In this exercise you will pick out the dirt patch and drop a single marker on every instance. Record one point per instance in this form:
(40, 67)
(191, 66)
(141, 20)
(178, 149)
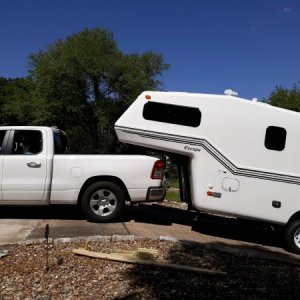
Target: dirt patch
(23, 275)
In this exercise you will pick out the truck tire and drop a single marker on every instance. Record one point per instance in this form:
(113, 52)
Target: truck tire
(292, 236)
(103, 201)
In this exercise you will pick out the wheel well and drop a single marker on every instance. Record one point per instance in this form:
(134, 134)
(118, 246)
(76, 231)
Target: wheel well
(94, 179)
(295, 216)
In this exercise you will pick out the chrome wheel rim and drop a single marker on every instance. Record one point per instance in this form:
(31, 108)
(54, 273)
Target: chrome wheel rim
(297, 238)
(103, 202)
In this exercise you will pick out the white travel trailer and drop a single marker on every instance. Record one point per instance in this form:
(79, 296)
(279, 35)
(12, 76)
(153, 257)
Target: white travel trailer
(238, 157)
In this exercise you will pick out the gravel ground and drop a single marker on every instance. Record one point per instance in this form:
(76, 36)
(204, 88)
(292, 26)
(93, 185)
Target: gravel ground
(23, 274)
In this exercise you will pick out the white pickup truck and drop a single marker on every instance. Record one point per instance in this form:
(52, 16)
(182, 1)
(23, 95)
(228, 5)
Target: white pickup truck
(37, 169)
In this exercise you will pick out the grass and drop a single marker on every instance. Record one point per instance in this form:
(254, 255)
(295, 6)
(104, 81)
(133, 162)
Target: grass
(173, 196)
(174, 184)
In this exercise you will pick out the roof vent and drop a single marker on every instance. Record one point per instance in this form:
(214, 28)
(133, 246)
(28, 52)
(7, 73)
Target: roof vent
(230, 92)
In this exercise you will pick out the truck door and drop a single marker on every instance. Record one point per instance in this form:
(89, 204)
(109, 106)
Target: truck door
(24, 167)
(2, 142)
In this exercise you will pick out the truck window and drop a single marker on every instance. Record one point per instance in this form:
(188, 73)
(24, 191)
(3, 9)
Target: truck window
(170, 113)
(61, 145)
(275, 138)
(2, 135)
(27, 142)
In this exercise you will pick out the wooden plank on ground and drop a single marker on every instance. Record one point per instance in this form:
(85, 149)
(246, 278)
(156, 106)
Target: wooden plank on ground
(132, 260)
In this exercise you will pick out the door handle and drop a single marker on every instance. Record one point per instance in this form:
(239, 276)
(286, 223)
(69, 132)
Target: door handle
(33, 164)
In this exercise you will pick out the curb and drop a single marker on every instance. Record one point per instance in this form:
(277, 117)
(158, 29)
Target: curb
(95, 238)
(91, 238)
(255, 253)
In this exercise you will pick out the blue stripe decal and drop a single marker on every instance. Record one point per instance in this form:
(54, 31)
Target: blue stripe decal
(213, 152)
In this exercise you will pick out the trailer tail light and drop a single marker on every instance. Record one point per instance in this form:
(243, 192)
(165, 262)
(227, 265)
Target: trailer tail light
(148, 97)
(158, 170)
(214, 194)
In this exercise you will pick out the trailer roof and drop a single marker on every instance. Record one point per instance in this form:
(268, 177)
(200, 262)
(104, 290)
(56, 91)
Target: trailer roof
(218, 97)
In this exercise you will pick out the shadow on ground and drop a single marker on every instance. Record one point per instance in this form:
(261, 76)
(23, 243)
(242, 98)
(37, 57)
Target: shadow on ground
(58, 212)
(207, 224)
(246, 278)
(230, 228)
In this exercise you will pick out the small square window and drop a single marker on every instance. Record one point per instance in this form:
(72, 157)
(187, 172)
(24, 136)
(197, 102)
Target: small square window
(275, 138)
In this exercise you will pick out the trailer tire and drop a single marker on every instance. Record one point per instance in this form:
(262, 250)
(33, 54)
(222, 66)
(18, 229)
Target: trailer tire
(292, 236)
(103, 201)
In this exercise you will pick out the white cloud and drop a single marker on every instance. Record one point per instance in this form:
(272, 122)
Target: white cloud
(287, 10)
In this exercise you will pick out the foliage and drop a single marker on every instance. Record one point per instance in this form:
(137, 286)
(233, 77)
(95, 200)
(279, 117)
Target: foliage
(170, 173)
(16, 101)
(84, 83)
(285, 98)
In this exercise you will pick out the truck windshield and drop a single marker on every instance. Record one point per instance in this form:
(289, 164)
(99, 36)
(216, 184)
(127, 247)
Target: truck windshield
(61, 145)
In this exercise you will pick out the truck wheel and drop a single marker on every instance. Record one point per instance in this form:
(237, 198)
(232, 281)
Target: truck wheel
(292, 236)
(103, 201)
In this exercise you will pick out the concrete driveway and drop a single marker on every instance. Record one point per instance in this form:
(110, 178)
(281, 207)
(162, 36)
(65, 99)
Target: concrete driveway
(151, 221)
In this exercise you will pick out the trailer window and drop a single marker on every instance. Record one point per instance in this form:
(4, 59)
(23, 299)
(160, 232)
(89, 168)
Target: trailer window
(174, 114)
(275, 138)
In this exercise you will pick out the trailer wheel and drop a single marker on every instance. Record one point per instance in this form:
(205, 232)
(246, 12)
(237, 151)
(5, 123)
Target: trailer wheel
(292, 236)
(103, 201)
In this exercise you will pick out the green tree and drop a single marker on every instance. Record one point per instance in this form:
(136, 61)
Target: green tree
(85, 82)
(286, 98)
(16, 101)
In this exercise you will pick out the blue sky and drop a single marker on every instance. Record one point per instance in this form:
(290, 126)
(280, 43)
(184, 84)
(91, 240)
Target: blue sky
(249, 46)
